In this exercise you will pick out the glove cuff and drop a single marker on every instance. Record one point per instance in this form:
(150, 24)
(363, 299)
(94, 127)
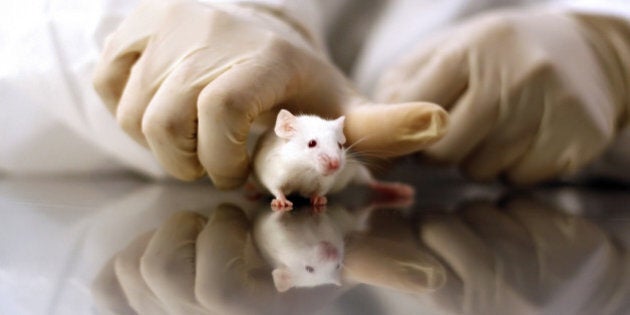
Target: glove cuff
(310, 32)
(609, 37)
(302, 17)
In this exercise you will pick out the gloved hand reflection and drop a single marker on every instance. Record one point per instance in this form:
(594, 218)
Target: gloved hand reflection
(194, 265)
(524, 257)
(191, 265)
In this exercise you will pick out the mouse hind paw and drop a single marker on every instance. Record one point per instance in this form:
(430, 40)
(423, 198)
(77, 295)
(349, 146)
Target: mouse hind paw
(318, 201)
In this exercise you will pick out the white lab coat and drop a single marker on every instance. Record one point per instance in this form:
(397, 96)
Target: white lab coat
(51, 120)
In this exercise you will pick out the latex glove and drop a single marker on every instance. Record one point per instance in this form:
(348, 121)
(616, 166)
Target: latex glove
(189, 79)
(531, 94)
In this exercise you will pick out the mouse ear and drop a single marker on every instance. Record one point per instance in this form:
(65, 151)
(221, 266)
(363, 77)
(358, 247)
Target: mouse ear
(285, 124)
(282, 279)
(340, 123)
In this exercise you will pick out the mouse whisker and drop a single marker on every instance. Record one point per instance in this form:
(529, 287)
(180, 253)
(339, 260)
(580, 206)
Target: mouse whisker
(357, 142)
(373, 163)
(367, 154)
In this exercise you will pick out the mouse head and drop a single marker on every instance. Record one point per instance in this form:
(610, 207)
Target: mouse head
(304, 248)
(313, 266)
(314, 140)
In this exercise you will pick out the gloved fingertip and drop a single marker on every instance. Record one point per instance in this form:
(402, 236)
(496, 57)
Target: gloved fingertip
(436, 278)
(431, 123)
(396, 129)
(188, 175)
(227, 182)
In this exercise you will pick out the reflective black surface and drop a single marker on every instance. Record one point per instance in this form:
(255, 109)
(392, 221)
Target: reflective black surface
(123, 245)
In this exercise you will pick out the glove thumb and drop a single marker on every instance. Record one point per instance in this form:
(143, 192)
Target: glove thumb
(390, 130)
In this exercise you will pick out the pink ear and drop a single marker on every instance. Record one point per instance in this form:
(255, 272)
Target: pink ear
(285, 124)
(340, 123)
(282, 279)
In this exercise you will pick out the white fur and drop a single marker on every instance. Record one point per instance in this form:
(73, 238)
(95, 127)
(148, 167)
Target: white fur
(285, 166)
(289, 241)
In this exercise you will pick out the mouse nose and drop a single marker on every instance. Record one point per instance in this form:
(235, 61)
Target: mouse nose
(333, 164)
(330, 164)
(328, 251)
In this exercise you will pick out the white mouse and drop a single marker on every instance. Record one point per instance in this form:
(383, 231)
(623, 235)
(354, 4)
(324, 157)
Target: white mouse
(305, 154)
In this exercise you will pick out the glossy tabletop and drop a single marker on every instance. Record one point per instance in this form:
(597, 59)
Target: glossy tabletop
(119, 244)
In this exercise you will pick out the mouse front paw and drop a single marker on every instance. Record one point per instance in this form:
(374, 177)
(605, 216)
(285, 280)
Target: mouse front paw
(281, 204)
(319, 201)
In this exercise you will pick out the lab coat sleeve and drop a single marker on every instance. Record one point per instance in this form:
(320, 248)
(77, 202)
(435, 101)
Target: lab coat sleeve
(311, 16)
(619, 8)
(51, 119)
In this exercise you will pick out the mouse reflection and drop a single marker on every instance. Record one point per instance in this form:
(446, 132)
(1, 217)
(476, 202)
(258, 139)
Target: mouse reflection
(518, 256)
(304, 247)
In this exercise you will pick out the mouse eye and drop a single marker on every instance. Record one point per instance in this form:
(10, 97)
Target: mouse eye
(340, 146)
(310, 269)
(338, 266)
(312, 143)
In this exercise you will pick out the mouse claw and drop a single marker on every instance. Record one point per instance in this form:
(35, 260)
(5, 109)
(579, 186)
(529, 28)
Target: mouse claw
(319, 201)
(281, 205)
(319, 209)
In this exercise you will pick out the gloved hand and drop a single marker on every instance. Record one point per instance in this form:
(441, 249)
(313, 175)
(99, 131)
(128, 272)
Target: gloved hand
(531, 94)
(189, 79)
